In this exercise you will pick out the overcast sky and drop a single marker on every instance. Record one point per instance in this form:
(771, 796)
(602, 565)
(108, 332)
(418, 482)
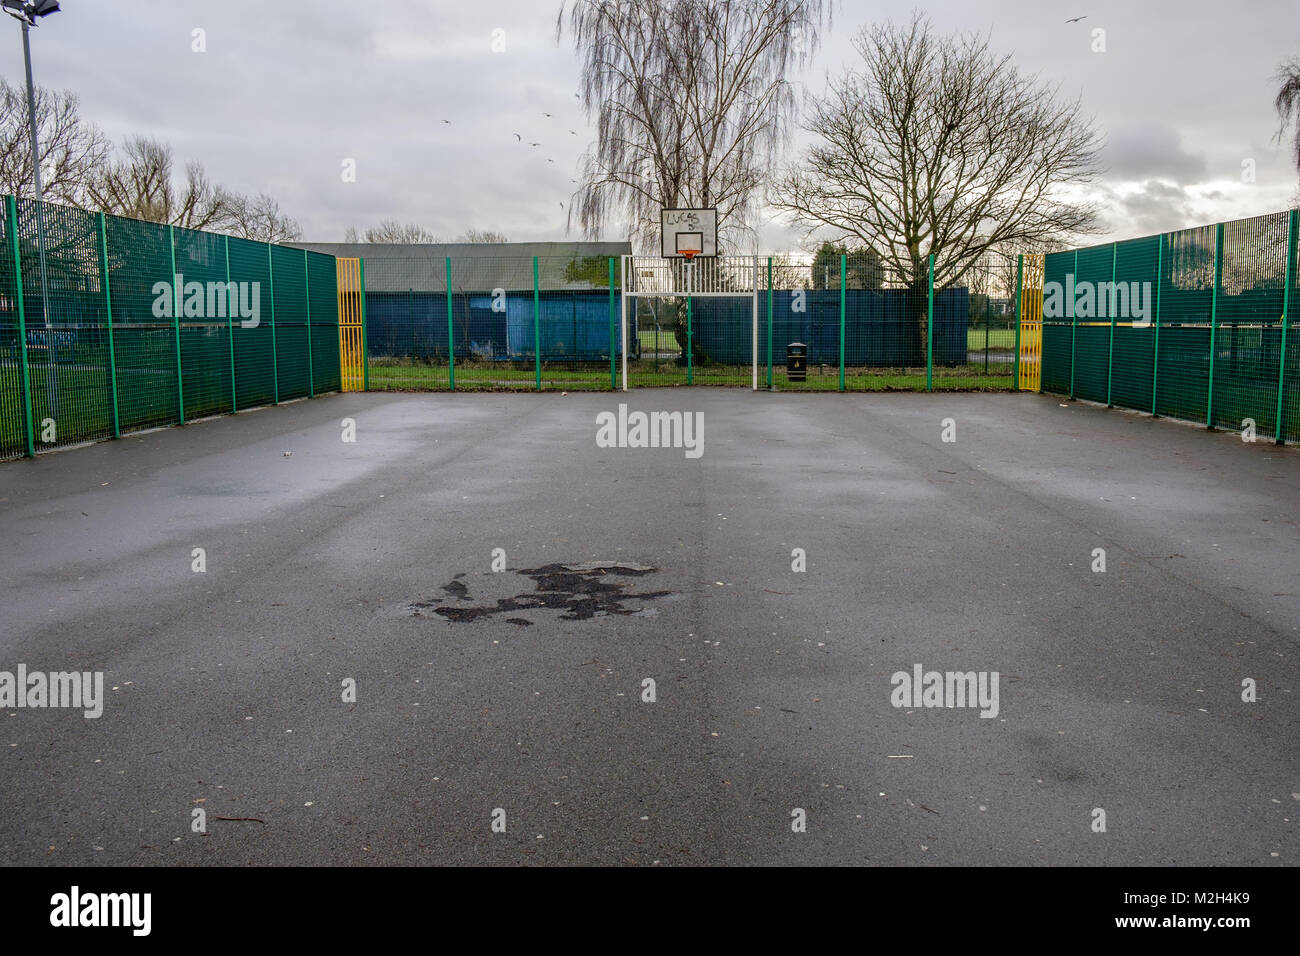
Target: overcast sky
(288, 89)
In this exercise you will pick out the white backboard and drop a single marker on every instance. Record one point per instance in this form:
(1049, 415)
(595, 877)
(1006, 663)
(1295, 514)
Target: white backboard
(689, 229)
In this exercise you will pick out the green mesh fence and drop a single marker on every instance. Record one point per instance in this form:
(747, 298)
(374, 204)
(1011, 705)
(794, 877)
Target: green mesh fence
(492, 323)
(14, 386)
(255, 382)
(476, 322)
(323, 302)
(866, 328)
(109, 325)
(1187, 324)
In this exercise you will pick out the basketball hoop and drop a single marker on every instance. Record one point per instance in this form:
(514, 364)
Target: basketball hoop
(689, 253)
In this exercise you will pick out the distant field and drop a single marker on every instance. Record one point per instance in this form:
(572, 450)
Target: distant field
(1004, 339)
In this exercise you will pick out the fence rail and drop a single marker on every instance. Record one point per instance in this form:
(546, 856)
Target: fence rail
(1197, 324)
(109, 325)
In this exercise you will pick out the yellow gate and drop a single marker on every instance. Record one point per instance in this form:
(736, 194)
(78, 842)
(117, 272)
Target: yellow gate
(1031, 325)
(352, 326)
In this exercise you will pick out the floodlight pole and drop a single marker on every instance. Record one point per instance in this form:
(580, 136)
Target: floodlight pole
(31, 105)
(51, 382)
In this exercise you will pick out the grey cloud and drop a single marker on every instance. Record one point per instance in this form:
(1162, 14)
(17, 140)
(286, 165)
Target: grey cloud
(1150, 150)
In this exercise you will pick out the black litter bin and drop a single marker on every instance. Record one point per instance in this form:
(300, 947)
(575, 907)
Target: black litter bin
(796, 362)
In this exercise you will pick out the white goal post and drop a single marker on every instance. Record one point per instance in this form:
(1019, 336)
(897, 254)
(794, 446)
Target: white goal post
(711, 278)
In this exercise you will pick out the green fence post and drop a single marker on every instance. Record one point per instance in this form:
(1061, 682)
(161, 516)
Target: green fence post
(275, 357)
(1214, 321)
(11, 205)
(929, 331)
(1020, 291)
(365, 346)
(1155, 358)
(306, 286)
(230, 328)
(1074, 320)
(451, 337)
(690, 343)
(844, 266)
(769, 323)
(1110, 304)
(537, 326)
(1293, 235)
(613, 376)
(108, 313)
(176, 325)
(988, 318)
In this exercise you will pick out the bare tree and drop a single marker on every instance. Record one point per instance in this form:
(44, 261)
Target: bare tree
(260, 219)
(392, 231)
(938, 146)
(483, 236)
(1287, 104)
(140, 185)
(691, 104)
(72, 149)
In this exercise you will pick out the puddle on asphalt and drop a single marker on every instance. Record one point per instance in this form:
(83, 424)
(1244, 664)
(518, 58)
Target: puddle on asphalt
(579, 591)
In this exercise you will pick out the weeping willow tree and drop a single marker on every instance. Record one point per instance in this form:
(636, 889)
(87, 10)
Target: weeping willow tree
(691, 104)
(1287, 104)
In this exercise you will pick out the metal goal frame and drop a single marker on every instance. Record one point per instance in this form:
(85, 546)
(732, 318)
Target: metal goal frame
(709, 278)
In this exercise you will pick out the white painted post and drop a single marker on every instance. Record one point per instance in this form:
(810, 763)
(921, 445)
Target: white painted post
(623, 319)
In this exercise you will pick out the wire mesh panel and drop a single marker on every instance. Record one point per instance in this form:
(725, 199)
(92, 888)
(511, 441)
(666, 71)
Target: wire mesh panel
(493, 324)
(205, 304)
(144, 342)
(1058, 323)
(1093, 267)
(13, 389)
(805, 320)
(577, 327)
(1186, 301)
(322, 298)
(1133, 366)
(255, 373)
(289, 285)
(67, 329)
(1252, 285)
(974, 325)
(406, 312)
(1289, 374)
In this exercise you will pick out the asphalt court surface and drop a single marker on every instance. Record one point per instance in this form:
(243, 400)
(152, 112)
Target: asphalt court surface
(522, 690)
